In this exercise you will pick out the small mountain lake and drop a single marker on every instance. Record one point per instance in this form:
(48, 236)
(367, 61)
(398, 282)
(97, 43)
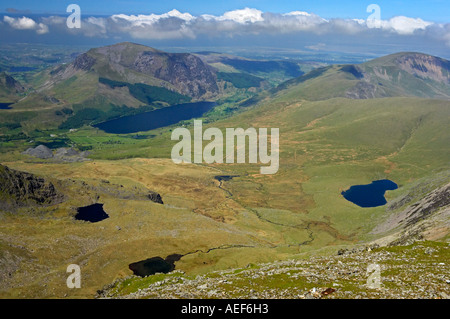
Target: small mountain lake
(5, 106)
(92, 213)
(21, 69)
(155, 119)
(154, 265)
(370, 195)
(225, 177)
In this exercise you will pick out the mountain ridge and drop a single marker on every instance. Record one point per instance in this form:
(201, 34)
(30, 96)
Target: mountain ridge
(10, 88)
(401, 74)
(127, 62)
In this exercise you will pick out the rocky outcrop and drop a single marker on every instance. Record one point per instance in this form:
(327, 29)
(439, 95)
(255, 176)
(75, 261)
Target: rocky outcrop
(188, 73)
(10, 83)
(107, 188)
(362, 90)
(184, 72)
(426, 218)
(21, 189)
(69, 154)
(425, 66)
(10, 88)
(63, 154)
(84, 62)
(403, 272)
(155, 197)
(435, 200)
(132, 63)
(406, 74)
(40, 151)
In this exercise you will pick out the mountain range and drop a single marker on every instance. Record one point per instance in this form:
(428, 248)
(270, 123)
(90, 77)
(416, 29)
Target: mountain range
(135, 75)
(400, 74)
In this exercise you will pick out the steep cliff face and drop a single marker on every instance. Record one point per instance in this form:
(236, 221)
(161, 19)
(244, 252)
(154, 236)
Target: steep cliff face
(425, 66)
(425, 218)
(9, 87)
(21, 189)
(403, 74)
(188, 73)
(83, 62)
(10, 83)
(132, 63)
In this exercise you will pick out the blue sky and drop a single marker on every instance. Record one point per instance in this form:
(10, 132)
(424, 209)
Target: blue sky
(431, 10)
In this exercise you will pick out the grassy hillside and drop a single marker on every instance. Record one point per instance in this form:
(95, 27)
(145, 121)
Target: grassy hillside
(327, 143)
(240, 80)
(148, 94)
(320, 277)
(272, 71)
(319, 84)
(401, 74)
(326, 146)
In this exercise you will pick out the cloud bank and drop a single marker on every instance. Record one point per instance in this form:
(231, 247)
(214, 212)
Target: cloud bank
(175, 25)
(25, 23)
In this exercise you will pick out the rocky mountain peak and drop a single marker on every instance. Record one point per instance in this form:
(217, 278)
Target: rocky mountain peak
(10, 84)
(186, 72)
(20, 188)
(425, 66)
(83, 62)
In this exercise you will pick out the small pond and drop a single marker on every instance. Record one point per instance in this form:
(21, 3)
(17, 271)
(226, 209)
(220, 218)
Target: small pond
(370, 195)
(92, 213)
(225, 177)
(154, 265)
(5, 106)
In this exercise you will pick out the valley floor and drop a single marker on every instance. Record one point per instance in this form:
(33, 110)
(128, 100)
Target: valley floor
(325, 147)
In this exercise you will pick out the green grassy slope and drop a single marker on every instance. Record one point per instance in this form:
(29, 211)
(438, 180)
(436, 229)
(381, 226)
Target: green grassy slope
(329, 277)
(326, 146)
(327, 143)
(401, 74)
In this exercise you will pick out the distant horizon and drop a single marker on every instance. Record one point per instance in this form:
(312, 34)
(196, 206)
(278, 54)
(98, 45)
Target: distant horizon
(342, 57)
(370, 29)
(431, 10)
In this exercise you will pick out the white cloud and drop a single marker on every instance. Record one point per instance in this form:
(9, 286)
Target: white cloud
(297, 13)
(41, 28)
(404, 25)
(400, 24)
(23, 23)
(142, 20)
(26, 23)
(170, 25)
(242, 22)
(249, 21)
(54, 20)
(242, 16)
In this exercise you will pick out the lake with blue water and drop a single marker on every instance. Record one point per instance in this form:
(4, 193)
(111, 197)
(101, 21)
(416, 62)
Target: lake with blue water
(5, 106)
(370, 195)
(155, 119)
